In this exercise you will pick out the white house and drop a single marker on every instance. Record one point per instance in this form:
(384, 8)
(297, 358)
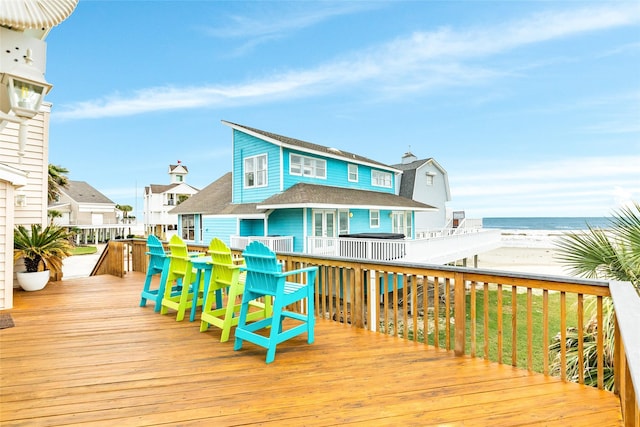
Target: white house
(24, 148)
(425, 181)
(159, 199)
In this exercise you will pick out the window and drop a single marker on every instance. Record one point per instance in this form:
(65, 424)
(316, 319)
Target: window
(380, 179)
(374, 219)
(307, 166)
(188, 227)
(353, 172)
(255, 171)
(429, 178)
(402, 223)
(179, 178)
(343, 222)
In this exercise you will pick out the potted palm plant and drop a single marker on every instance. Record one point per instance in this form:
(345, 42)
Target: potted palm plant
(42, 249)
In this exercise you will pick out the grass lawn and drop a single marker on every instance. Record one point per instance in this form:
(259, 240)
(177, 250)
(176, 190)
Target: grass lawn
(84, 250)
(540, 348)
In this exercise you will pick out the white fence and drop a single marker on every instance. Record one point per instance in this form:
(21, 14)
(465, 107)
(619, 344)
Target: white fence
(275, 243)
(442, 248)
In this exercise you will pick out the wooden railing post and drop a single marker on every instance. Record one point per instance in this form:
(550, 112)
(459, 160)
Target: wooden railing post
(459, 310)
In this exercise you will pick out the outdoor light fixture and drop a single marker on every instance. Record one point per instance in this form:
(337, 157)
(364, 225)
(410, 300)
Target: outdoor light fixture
(20, 199)
(22, 89)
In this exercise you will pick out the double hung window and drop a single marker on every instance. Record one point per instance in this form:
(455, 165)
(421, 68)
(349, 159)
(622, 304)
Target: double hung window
(255, 171)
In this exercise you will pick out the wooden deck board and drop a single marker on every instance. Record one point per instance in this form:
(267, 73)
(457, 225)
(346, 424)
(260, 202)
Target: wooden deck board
(83, 353)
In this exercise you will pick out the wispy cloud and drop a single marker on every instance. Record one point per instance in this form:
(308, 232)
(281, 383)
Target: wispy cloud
(418, 62)
(551, 188)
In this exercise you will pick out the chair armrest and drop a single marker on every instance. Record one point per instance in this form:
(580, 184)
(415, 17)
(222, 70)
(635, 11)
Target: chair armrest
(298, 271)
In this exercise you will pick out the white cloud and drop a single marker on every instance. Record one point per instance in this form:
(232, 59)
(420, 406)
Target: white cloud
(420, 61)
(574, 187)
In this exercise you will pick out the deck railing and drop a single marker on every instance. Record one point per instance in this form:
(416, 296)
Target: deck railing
(275, 243)
(438, 248)
(510, 318)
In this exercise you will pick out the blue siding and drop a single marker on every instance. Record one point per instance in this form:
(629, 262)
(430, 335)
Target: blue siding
(248, 146)
(337, 174)
(221, 228)
(288, 222)
(252, 227)
(359, 223)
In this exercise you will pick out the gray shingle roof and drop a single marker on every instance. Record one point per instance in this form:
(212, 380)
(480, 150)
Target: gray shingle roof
(82, 192)
(309, 146)
(215, 199)
(310, 195)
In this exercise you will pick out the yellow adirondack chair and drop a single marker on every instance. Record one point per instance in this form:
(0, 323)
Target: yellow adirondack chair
(180, 272)
(227, 275)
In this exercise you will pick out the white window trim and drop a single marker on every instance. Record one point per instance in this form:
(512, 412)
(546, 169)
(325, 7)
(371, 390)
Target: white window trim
(349, 172)
(381, 174)
(371, 218)
(255, 164)
(314, 162)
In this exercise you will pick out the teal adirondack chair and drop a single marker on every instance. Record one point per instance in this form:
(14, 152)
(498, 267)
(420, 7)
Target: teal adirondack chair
(266, 279)
(226, 275)
(158, 264)
(180, 274)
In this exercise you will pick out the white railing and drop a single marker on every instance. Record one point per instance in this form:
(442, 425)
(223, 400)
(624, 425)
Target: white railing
(444, 248)
(275, 243)
(354, 248)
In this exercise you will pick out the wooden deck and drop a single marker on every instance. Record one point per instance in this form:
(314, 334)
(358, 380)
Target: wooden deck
(83, 353)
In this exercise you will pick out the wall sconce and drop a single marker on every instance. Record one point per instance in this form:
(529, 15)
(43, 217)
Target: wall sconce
(350, 214)
(22, 90)
(20, 199)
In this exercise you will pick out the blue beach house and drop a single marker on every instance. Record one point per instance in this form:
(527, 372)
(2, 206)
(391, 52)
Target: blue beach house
(297, 196)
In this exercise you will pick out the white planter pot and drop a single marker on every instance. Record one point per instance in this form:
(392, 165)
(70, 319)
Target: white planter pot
(33, 281)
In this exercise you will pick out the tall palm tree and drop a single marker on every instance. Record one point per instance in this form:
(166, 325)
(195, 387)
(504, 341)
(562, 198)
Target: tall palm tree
(57, 180)
(612, 254)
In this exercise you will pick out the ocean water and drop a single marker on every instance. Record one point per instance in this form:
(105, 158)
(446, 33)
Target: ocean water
(546, 223)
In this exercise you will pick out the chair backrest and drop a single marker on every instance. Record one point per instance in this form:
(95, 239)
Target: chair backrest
(179, 255)
(263, 270)
(222, 260)
(155, 246)
(157, 255)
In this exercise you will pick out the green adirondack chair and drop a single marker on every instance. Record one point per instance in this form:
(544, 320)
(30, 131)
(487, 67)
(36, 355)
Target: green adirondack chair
(180, 272)
(227, 275)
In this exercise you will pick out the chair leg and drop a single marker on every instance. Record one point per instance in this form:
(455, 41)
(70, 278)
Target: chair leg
(162, 286)
(145, 289)
(276, 329)
(232, 296)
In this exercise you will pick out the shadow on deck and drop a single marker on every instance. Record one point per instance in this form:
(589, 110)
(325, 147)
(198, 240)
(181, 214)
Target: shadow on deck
(83, 352)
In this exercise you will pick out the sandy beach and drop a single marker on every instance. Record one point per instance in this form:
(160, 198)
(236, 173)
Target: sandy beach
(530, 251)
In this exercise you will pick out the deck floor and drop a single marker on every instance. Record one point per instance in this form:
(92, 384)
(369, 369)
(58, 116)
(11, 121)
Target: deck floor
(83, 352)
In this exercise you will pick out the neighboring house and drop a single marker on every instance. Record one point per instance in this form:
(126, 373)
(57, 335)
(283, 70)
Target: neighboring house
(23, 161)
(92, 214)
(427, 182)
(282, 187)
(160, 199)
(81, 204)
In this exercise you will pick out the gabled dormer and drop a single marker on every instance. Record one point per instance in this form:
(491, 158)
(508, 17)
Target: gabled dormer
(178, 173)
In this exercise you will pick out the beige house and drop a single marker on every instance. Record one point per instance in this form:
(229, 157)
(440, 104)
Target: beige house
(87, 210)
(24, 142)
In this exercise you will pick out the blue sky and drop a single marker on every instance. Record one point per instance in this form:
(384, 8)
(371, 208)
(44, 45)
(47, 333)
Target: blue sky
(533, 108)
